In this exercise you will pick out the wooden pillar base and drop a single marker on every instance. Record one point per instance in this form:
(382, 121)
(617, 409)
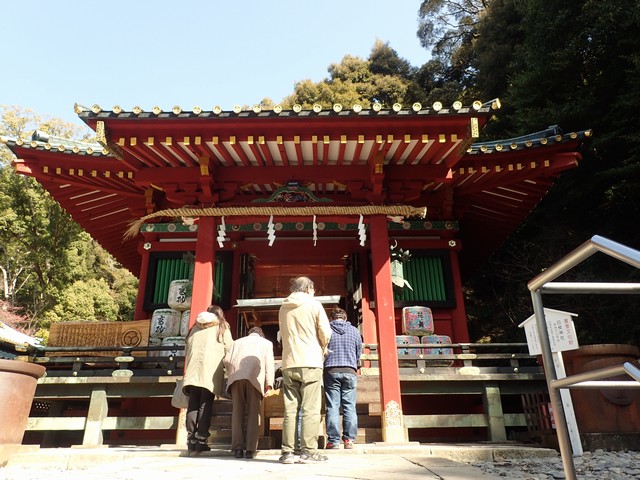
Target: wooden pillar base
(393, 430)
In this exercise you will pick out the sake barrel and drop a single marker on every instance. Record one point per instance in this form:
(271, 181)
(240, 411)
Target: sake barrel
(406, 340)
(417, 321)
(154, 342)
(178, 342)
(179, 297)
(433, 351)
(184, 323)
(165, 322)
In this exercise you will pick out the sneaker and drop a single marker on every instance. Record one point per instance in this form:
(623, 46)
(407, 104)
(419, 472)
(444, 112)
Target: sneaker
(202, 447)
(348, 444)
(287, 458)
(315, 458)
(330, 446)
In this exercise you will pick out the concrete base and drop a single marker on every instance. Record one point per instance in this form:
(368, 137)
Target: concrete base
(7, 450)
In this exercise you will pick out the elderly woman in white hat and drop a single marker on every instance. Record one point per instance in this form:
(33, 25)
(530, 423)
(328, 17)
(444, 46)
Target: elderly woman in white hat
(206, 345)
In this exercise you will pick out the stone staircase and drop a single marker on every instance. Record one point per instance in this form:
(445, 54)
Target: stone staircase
(368, 408)
(220, 429)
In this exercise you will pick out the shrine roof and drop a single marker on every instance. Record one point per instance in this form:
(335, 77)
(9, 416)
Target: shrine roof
(145, 161)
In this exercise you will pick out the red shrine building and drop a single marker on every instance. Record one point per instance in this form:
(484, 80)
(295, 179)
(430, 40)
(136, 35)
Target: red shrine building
(241, 201)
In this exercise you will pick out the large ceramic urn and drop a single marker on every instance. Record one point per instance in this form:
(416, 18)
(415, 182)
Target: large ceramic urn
(18, 382)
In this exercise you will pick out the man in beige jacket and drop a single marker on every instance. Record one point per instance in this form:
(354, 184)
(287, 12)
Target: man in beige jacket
(250, 370)
(305, 333)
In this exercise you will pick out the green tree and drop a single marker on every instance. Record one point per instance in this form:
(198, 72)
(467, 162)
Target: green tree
(384, 77)
(84, 300)
(45, 257)
(578, 68)
(447, 27)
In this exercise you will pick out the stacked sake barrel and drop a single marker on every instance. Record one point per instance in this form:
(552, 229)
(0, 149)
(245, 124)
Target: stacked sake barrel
(418, 327)
(169, 326)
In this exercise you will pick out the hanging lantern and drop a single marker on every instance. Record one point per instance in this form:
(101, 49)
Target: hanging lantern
(398, 258)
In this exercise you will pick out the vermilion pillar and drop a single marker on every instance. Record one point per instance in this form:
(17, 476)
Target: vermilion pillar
(140, 314)
(202, 291)
(369, 333)
(459, 316)
(392, 423)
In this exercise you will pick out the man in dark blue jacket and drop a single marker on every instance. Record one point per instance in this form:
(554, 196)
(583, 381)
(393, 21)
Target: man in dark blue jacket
(340, 380)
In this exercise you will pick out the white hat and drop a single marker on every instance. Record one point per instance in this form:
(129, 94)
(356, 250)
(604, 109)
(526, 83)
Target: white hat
(206, 317)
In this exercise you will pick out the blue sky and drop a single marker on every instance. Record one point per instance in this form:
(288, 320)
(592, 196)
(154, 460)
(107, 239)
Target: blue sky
(186, 52)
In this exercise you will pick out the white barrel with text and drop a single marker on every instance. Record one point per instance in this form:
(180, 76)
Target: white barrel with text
(178, 342)
(184, 323)
(165, 322)
(179, 297)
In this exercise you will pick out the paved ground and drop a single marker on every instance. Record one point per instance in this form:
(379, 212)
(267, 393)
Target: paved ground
(371, 461)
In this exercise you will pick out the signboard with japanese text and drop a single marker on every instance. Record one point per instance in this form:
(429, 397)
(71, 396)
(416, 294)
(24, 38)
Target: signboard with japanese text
(561, 329)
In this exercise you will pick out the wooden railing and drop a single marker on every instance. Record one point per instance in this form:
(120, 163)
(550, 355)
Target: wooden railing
(109, 361)
(93, 380)
(96, 376)
(491, 371)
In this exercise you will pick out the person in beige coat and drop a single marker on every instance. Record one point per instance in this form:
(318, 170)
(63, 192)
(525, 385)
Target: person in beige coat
(206, 345)
(250, 368)
(305, 333)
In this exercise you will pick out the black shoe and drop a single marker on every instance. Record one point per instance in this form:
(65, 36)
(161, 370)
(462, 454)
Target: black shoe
(250, 454)
(202, 447)
(191, 446)
(238, 453)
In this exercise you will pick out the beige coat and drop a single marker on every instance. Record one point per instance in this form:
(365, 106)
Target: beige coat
(304, 330)
(251, 358)
(203, 358)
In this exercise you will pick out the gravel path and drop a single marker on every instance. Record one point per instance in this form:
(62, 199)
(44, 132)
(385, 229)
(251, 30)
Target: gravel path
(597, 465)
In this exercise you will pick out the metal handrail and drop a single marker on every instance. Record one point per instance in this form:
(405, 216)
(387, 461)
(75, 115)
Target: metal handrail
(542, 284)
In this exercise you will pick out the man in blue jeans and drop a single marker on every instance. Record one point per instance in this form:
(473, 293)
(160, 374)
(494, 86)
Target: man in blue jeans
(341, 380)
